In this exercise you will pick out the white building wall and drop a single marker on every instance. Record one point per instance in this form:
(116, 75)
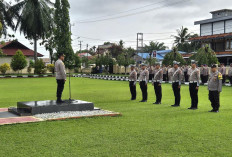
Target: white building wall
(206, 29)
(228, 26)
(8, 60)
(218, 27)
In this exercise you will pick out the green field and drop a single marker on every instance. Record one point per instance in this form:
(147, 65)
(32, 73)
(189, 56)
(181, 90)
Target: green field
(143, 129)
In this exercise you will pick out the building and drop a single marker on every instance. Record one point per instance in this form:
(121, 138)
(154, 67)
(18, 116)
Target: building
(10, 48)
(85, 54)
(217, 33)
(104, 49)
(159, 55)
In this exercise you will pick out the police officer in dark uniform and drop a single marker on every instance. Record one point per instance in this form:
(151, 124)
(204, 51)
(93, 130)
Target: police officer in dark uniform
(215, 88)
(176, 82)
(143, 81)
(157, 80)
(132, 80)
(194, 82)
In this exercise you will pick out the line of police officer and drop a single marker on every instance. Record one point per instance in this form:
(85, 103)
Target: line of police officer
(214, 84)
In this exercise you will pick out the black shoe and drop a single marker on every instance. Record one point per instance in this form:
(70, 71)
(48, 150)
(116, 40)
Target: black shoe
(193, 108)
(59, 101)
(133, 99)
(143, 101)
(175, 105)
(212, 111)
(157, 103)
(216, 111)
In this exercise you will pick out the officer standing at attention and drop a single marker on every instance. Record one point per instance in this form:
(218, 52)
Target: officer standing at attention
(194, 82)
(176, 82)
(164, 72)
(143, 80)
(60, 76)
(157, 80)
(132, 80)
(215, 87)
(230, 73)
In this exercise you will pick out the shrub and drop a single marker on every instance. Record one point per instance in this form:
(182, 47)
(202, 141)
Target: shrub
(31, 65)
(51, 68)
(18, 61)
(40, 67)
(4, 67)
(174, 55)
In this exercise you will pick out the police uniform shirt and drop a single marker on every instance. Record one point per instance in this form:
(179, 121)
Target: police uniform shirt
(60, 70)
(215, 82)
(158, 75)
(144, 76)
(201, 70)
(133, 76)
(164, 70)
(176, 77)
(230, 71)
(194, 75)
(205, 71)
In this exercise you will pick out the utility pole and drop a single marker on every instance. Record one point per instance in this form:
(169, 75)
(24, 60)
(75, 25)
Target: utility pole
(139, 42)
(87, 47)
(80, 44)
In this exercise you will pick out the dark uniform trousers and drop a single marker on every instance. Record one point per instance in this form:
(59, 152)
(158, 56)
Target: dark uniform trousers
(60, 88)
(230, 78)
(214, 98)
(158, 91)
(151, 76)
(143, 87)
(193, 94)
(133, 90)
(202, 78)
(176, 90)
(165, 77)
(224, 79)
(186, 76)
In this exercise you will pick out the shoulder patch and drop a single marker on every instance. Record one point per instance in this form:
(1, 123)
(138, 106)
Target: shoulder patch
(220, 76)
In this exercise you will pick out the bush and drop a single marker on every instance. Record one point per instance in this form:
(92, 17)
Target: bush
(51, 68)
(170, 57)
(18, 61)
(4, 67)
(31, 65)
(205, 55)
(40, 67)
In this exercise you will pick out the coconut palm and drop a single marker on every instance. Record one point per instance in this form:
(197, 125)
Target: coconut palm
(154, 46)
(33, 19)
(182, 36)
(5, 18)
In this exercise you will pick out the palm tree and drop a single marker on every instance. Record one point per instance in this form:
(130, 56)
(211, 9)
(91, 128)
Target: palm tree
(33, 19)
(182, 36)
(154, 46)
(5, 18)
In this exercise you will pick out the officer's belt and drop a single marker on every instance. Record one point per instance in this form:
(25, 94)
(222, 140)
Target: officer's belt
(156, 80)
(175, 81)
(192, 81)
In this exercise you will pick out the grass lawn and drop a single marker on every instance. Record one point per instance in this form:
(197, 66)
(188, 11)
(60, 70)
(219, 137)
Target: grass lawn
(143, 130)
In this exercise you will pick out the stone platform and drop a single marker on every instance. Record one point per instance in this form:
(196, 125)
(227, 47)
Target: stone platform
(50, 106)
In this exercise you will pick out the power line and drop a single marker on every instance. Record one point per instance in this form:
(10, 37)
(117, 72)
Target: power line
(123, 11)
(91, 21)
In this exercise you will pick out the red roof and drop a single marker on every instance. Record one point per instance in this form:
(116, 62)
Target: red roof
(208, 37)
(10, 48)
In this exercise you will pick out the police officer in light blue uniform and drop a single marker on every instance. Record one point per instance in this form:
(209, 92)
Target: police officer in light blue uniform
(194, 82)
(176, 82)
(215, 88)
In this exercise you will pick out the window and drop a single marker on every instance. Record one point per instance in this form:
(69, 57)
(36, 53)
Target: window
(229, 44)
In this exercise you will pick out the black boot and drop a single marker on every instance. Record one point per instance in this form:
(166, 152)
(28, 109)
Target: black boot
(59, 101)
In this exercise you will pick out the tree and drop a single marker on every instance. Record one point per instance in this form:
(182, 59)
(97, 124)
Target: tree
(77, 63)
(182, 36)
(33, 19)
(40, 67)
(205, 55)
(5, 18)
(62, 34)
(125, 60)
(154, 46)
(173, 55)
(4, 67)
(18, 61)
